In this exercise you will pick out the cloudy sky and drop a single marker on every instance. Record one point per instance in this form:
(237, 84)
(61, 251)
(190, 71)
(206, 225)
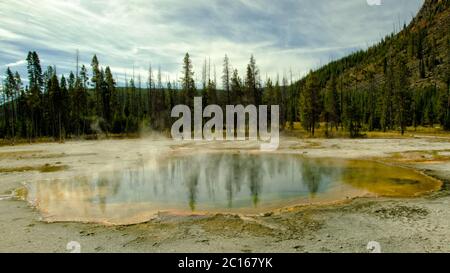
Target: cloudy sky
(284, 35)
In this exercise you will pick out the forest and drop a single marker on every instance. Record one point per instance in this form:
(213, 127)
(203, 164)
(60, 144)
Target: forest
(89, 101)
(403, 81)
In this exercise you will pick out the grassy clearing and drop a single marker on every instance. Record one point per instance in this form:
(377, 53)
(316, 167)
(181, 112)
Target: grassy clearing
(23, 141)
(320, 132)
(295, 131)
(46, 168)
(19, 154)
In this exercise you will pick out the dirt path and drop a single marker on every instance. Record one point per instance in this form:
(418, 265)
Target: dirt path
(399, 225)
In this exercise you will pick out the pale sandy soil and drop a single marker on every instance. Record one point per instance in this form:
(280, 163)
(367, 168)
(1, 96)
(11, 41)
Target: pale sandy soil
(400, 225)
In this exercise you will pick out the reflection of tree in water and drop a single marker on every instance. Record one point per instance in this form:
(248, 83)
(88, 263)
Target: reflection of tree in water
(192, 182)
(107, 185)
(255, 179)
(102, 183)
(231, 171)
(180, 170)
(238, 167)
(198, 182)
(315, 173)
(83, 192)
(233, 178)
(199, 176)
(211, 166)
(271, 164)
(311, 173)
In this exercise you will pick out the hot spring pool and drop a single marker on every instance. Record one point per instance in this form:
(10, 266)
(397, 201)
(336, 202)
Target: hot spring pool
(218, 182)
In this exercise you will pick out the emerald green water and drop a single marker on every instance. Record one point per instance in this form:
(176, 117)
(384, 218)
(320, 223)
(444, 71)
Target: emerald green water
(217, 182)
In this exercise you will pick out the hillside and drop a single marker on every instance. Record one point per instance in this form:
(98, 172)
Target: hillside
(425, 38)
(418, 56)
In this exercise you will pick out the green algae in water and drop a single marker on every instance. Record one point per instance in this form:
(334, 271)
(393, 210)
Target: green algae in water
(219, 182)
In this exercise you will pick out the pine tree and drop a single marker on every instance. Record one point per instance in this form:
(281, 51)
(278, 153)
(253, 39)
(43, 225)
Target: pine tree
(22, 108)
(420, 52)
(162, 93)
(236, 88)
(253, 95)
(187, 82)
(205, 82)
(402, 95)
(64, 109)
(447, 80)
(309, 104)
(10, 91)
(131, 98)
(280, 100)
(35, 81)
(211, 92)
(226, 78)
(331, 105)
(171, 93)
(97, 83)
(161, 114)
(55, 95)
(151, 94)
(109, 97)
(386, 98)
(269, 93)
(82, 97)
(71, 114)
(353, 113)
(371, 113)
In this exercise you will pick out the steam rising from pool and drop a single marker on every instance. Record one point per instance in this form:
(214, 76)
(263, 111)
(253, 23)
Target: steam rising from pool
(217, 182)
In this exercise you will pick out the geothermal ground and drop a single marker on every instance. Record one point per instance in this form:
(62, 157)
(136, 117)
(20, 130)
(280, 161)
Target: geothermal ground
(420, 224)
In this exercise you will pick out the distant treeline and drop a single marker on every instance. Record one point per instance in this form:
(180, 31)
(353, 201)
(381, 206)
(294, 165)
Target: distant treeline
(89, 102)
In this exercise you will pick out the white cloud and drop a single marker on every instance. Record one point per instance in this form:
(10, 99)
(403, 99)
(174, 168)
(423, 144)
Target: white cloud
(20, 62)
(283, 35)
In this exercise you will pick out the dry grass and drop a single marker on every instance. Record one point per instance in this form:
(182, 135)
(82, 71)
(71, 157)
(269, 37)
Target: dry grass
(47, 168)
(19, 154)
(23, 141)
(298, 131)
